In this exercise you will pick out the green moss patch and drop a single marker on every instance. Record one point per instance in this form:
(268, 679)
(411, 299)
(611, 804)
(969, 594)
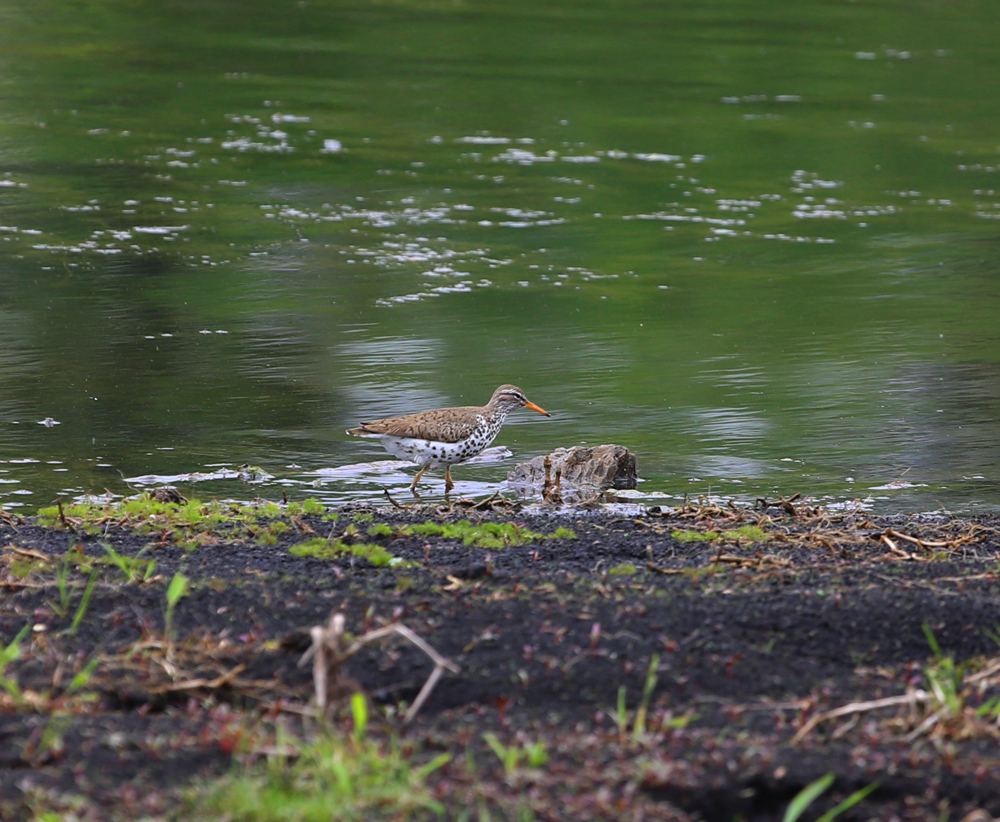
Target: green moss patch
(747, 533)
(189, 524)
(483, 535)
(337, 549)
(695, 536)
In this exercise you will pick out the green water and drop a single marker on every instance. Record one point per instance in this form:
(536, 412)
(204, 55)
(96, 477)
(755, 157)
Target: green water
(755, 243)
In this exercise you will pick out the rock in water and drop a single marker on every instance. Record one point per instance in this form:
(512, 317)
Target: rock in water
(572, 473)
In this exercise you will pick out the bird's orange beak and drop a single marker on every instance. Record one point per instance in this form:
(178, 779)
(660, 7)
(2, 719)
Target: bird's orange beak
(534, 407)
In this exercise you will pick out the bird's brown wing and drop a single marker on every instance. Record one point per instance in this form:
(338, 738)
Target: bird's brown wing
(446, 425)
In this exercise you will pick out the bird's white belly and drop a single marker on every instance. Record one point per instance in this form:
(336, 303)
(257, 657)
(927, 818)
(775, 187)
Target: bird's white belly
(431, 454)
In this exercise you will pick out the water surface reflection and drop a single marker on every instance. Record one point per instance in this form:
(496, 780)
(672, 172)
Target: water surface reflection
(762, 273)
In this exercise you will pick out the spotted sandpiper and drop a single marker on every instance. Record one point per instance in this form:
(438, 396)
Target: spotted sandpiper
(445, 436)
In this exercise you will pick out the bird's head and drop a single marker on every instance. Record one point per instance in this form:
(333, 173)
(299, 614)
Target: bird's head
(509, 397)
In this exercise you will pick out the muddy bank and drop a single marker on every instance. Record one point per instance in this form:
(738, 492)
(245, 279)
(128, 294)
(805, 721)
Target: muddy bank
(759, 625)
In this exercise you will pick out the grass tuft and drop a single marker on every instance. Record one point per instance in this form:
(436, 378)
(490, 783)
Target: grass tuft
(333, 778)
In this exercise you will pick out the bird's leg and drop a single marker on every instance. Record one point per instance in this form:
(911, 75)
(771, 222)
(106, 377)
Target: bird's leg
(448, 484)
(416, 479)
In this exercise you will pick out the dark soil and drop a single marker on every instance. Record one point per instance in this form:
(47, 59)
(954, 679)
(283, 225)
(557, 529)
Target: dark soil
(753, 638)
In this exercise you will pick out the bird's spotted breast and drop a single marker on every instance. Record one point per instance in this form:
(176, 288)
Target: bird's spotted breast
(436, 453)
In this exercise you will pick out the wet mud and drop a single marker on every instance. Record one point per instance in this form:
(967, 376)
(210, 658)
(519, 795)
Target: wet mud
(737, 632)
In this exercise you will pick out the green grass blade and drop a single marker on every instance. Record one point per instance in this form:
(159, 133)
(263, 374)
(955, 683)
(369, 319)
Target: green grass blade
(537, 755)
(496, 746)
(177, 589)
(9, 654)
(424, 771)
(932, 640)
(639, 727)
(84, 603)
(62, 583)
(804, 798)
(118, 559)
(359, 711)
(13, 650)
(11, 687)
(83, 677)
(850, 802)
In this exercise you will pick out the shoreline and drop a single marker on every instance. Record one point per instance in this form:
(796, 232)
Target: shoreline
(754, 627)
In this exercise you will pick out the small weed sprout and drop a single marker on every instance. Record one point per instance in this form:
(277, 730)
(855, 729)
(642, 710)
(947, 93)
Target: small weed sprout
(126, 564)
(944, 677)
(623, 718)
(537, 755)
(510, 756)
(176, 591)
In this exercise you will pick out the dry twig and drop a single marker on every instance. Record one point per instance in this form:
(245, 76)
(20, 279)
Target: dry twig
(27, 552)
(782, 503)
(657, 568)
(11, 519)
(485, 503)
(758, 561)
(914, 698)
(899, 552)
(388, 496)
(196, 684)
(327, 658)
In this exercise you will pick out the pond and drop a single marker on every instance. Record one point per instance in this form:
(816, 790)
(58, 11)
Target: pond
(757, 245)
